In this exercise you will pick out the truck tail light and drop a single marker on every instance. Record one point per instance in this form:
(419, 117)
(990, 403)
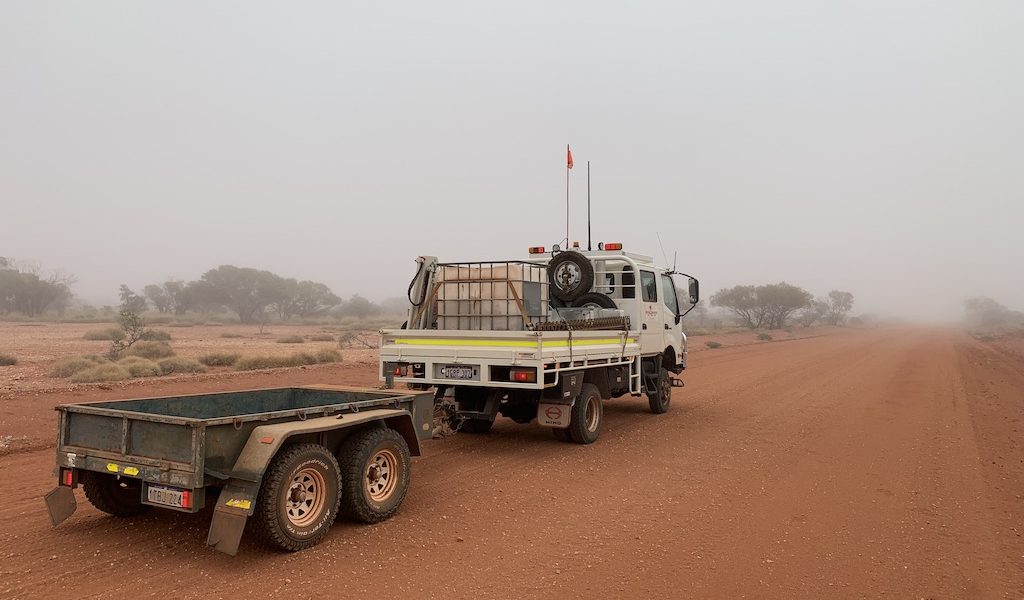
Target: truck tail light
(524, 375)
(536, 249)
(401, 370)
(67, 477)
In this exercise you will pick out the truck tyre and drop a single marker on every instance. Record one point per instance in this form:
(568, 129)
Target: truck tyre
(375, 474)
(298, 500)
(119, 497)
(571, 275)
(586, 416)
(660, 397)
(595, 299)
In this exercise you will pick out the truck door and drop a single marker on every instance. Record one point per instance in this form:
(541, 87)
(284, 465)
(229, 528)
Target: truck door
(670, 311)
(652, 334)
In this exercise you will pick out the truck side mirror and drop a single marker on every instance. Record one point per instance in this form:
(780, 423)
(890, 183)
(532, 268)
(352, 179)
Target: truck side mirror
(694, 291)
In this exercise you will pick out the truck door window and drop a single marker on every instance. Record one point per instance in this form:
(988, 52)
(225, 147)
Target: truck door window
(649, 285)
(668, 292)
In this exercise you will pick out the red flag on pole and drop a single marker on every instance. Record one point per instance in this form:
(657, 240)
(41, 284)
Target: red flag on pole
(569, 159)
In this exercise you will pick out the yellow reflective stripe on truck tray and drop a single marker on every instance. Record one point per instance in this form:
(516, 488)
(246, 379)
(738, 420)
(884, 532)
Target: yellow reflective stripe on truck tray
(508, 343)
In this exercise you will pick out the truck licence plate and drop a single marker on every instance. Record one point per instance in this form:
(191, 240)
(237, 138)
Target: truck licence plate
(165, 496)
(457, 372)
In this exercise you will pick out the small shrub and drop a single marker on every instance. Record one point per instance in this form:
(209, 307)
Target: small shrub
(151, 350)
(66, 367)
(111, 334)
(327, 355)
(219, 359)
(290, 339)
(322, 337)
(179, 324)
(99, 373)
(155, 335)
(139, 367)
(177, 364)
(712, 345)
(6, 360)
(231, 335)
(764, 337)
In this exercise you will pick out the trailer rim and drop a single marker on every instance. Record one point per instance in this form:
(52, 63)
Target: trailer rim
(306, 497)
(380, 475)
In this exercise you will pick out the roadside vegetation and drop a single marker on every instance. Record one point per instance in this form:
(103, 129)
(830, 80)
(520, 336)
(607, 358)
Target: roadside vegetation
(7, 360)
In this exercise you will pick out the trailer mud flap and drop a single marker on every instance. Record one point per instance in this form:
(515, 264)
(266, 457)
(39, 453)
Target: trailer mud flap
(236, 502)
(60, 503)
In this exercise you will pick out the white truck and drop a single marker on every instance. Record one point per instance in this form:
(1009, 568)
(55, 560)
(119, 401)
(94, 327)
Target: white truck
(547, 338)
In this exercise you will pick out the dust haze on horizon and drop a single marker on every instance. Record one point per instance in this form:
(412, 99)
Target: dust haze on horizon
(873, 147)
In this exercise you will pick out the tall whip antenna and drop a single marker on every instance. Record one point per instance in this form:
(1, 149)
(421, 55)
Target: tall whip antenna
(662, 248)
(588, 207)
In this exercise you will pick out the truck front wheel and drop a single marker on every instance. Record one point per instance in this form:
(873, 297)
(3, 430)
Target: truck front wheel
(375, 474)
(299, 498)
(660, 397)
(121, 497)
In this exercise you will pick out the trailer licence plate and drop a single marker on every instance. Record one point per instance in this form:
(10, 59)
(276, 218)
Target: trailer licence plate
(166, 496)
(457, 372)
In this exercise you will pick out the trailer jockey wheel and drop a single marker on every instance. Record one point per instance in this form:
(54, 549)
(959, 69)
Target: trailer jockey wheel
(571, 275)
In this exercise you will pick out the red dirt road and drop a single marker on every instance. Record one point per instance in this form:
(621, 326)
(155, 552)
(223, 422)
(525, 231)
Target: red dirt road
(859, 464)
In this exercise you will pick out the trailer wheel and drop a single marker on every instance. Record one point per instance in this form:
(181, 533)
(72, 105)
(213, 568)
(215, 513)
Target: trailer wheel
(298, 500)
(586, 416)
(375, 474)
(571, 275)
(660, 397)
(121, 497)
(595, 299)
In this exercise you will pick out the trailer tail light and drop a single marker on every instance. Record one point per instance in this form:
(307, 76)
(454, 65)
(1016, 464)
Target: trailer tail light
(401, 370)
(67, 477)
(523, 375)
(186, 499)
(536, 249)
(610, 246)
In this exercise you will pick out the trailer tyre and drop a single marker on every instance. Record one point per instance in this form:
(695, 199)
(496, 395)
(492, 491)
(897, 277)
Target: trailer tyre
(119, 497)
(661, 396)
(571, 275)
(375, 474)
(298, 500)
(586, 416)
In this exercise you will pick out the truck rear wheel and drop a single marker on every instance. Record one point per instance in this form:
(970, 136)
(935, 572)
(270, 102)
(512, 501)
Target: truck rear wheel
(375, 474)
(586, 416)
(298, 500)
(121, 497)
(660, 397)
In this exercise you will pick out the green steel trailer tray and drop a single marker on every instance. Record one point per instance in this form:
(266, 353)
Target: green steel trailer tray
(166, 451)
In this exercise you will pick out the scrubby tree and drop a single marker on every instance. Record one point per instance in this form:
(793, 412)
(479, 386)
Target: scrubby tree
(158, 297)
(839, 303)
(25, 291)
(246, 291)
(812, 313)
(767, 306)
(983, 311)
(357, 307)
(130, 300)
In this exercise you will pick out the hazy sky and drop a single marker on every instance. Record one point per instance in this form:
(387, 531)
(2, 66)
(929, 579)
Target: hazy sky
(870, 146)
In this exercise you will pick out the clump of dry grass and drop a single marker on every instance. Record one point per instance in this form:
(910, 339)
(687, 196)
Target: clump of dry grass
(66, 367)
(713, 345)
(291, 339)
(139, 367)
(151, 350)
(249, 363)
(219, 359)
(101, 373)
(7, 360)
(111, 334)
(177, 364)
(230, 335)
(155, 335)
(321, 337)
